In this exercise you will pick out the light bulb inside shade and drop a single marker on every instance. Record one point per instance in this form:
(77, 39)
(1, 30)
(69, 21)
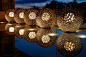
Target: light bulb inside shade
(32, 35)
(32, 15)
(21, 15)
(45, 16)
(69, 17)
(45, 38)
(69, 46)
(11, 14)
(11, 29)
(21, 31)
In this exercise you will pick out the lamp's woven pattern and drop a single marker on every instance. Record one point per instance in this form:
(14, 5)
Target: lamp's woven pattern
(8, 26)
(28, 30)
(68, 23)
(17, 28)
(46, 18)
(8, 13)
(69, 44)
(41, 33)
(19, 16)
(30, 16)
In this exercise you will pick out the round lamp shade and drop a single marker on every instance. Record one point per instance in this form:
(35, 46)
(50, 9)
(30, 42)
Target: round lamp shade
(69, 44)
(70, 19)
(9, 15)
(30, 16)
(46, 37)
(30, 33)
(9, 28)
(46, 18)
(19, 16)
(19, 30)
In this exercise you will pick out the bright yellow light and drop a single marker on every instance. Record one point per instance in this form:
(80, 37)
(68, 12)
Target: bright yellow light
(32, 35)
(32, 15)
(11, 14)
(69, 46)
(45, 16)
(69, 17)
(21, 15)
(21, 31)
(11, 29)
(45, 38)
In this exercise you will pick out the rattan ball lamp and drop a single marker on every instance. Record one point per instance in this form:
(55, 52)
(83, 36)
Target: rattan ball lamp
(69, 44)
(9, 15)
(46, 37)
(9, 28)
(30, 33)
(70, 19)
(19, 30)
(46, 18)
(30, 16)
(19, 16)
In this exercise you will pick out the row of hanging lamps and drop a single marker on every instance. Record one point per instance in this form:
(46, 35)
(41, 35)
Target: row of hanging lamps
(69, 44)
(15, 29)
(45, 17)
(43, 37)
(70, 19)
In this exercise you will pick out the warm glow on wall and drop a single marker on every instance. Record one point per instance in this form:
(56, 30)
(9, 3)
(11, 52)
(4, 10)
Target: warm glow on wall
(11, 29)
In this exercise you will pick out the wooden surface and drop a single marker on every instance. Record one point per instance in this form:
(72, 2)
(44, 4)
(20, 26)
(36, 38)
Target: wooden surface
(2, 16)
(2, 5)
(2, 26)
